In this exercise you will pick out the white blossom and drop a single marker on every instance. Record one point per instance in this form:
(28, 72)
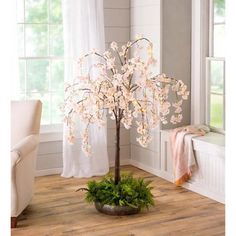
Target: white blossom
(125, 90)
(114, 46)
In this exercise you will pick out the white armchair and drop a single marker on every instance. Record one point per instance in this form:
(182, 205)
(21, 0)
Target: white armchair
(25, 125)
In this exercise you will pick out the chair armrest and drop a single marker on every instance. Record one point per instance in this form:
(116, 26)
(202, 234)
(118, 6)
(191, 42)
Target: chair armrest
(23, 148)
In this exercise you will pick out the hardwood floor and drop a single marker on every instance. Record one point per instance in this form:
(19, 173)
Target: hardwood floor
(57, 209)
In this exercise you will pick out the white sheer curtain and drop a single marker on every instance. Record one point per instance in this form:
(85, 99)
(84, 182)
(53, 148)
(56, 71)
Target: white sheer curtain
(83, 31)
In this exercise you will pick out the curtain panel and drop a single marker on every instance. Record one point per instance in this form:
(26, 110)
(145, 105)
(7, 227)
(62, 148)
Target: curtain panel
(83, 26)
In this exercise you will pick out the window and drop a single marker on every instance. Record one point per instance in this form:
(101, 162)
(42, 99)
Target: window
(215, 67)
(40, 50)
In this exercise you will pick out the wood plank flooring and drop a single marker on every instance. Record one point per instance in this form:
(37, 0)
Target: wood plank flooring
(57, 210)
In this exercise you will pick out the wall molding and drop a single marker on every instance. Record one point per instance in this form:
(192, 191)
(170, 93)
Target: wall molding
(53, 171)
(199, 51)
(143, 167)
(123, 162)
(57, 171)
(205, 192)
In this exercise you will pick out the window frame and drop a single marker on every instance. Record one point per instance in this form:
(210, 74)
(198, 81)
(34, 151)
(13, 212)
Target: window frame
(51, 127)
(209, 93)
(201, 36)
(209, 59)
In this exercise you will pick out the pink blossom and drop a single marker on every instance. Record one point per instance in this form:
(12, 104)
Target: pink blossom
(126, 88)
(114, 46)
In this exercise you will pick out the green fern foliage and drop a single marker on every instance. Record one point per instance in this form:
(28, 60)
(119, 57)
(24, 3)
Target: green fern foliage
(130, 191)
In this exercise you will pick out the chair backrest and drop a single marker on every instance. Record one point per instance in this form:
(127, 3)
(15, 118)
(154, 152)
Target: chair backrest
(25, 119)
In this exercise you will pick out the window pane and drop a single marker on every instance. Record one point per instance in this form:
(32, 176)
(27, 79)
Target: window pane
(40, 37)
(45, 99)
(36, 11)
(22, 75)
(36, 40)
(20, 11)
(57, 100)
(217, 76)
(216, 112)
(219, 40)
(38, 76)
(219, 10)
(55, 11)
(22, 96)
(56, 40)
(20, 40)
(57, 75)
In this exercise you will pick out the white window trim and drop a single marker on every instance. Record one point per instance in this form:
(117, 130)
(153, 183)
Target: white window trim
(200, 51)
(211, 27)
(200, 35)
(49, 132)
(211, 57)
(208, 94)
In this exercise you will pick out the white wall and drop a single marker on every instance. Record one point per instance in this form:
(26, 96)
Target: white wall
(117, 28)
(167, 23)
(145, 17)
(117, 21)
(145, 20)
(176, 47)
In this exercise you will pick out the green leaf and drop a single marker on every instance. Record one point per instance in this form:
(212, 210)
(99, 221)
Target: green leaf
(128, 192)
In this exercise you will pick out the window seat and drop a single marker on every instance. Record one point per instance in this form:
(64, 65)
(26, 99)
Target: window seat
(211, 142)
(210, 155)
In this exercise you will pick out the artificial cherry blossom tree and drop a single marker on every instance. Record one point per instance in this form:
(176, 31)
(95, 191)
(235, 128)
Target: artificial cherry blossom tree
(126, 90)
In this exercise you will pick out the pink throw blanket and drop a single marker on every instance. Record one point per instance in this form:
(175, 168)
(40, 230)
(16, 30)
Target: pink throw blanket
(184, 161)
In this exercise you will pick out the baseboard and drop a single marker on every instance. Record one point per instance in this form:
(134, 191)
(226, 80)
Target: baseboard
(190, 186)
(54, 171)
(122, 162)
(153, 171)
(143, 167)
(165, 175)
(202, 190)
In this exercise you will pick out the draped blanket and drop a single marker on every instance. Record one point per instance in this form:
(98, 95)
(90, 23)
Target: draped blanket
(184, 161)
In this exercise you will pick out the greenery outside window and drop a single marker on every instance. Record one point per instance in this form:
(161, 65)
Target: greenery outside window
(215, 67)
(41, 55)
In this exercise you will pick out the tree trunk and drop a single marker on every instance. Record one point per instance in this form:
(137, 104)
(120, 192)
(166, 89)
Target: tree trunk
(117, 157)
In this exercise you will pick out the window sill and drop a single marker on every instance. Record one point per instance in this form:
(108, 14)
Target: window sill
(51, 137)
(212, 138)
(212, 143)
(51, 133)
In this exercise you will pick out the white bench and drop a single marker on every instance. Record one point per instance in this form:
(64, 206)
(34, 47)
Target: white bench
(210, 154)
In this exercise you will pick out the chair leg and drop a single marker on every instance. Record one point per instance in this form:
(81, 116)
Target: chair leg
(13, 222)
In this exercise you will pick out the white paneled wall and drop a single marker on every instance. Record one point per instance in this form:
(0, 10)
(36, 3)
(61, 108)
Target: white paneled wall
(145, 17)
(117, 28)
(117, 21)
(49, 159)
(170, 31)
(146, 158)
(145, 20)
